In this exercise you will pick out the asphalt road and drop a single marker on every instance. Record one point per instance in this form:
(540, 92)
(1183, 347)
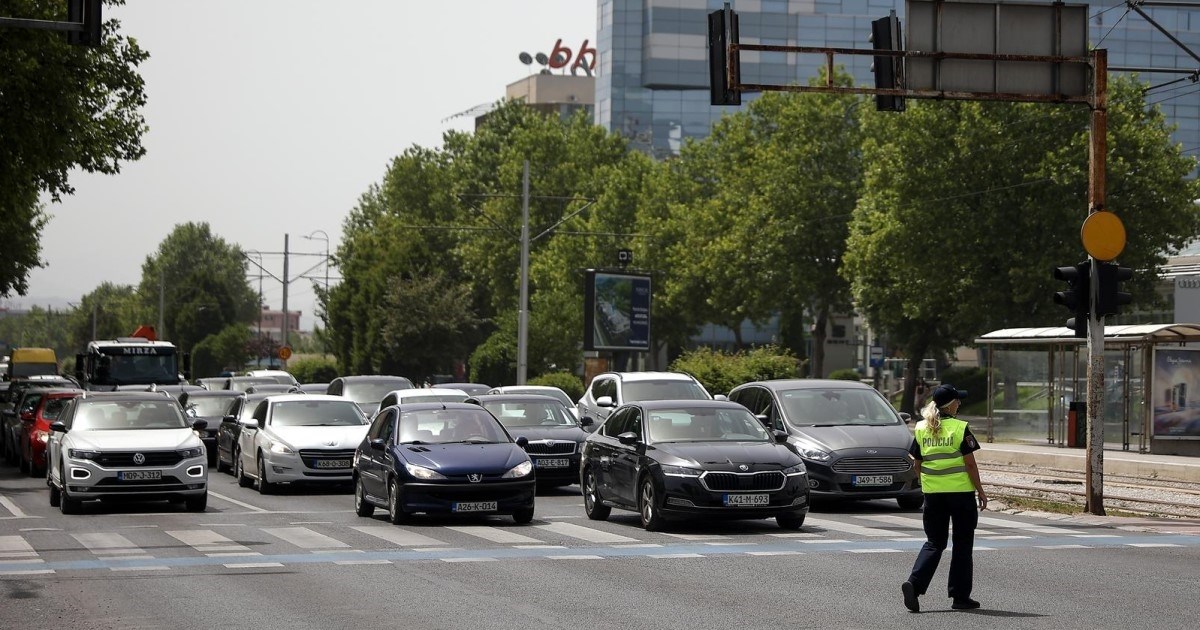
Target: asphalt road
(302, 559)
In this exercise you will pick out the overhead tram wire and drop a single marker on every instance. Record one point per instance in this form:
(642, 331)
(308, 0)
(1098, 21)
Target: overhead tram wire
(1110, 30)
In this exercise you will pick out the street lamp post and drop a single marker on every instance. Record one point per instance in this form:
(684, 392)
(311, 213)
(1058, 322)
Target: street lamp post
(324, 237)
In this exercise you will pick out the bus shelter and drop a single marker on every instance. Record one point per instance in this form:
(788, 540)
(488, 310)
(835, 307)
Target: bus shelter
(1151, 386)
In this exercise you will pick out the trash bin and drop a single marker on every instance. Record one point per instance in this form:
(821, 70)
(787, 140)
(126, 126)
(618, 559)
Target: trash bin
(1077, 424)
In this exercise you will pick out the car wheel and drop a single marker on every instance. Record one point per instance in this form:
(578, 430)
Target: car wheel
(68, 505)
(196, 504)
(790, 521)
(592, 505)
(648, 505)
(396, 512)
(239, 471)
(911, 502)
(55, 496)
(523, 516)
(362, 507)
(264, 486)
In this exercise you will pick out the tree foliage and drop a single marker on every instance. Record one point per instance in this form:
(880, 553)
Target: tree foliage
(225, 350)
(62, 107)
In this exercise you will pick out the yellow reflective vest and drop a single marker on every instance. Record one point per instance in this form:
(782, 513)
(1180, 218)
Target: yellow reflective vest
(943, 468)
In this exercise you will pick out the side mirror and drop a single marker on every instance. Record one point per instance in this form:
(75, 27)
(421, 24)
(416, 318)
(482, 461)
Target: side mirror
(781, 437)
(586, 421)
(522, 441)
(250, 424)
(200, 425)
(906, 417)
(605, 401)
(58, 427)
(378, 444)
(628, 438)
(721, 397)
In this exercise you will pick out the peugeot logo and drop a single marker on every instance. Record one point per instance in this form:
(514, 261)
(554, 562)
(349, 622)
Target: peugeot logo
(743, 467)
(139, 459)
(331, 443)
(474, 478)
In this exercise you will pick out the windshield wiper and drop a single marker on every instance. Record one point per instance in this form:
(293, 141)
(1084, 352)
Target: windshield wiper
(418, 442)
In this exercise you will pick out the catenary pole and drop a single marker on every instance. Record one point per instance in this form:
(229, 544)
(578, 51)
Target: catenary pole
(1097, 163)
(523, 314)
(284, 325)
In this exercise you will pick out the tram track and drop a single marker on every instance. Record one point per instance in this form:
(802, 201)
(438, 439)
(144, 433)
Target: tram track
(1137, 496)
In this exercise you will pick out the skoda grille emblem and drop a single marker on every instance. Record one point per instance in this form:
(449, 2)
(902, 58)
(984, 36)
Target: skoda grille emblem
(743, 467)
(473, 478)
(139, 459)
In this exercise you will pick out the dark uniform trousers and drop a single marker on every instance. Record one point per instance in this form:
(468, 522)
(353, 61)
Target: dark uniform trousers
(941, 509)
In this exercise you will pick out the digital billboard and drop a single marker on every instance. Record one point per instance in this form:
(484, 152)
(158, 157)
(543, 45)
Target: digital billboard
(616, 314)
(1176, 393)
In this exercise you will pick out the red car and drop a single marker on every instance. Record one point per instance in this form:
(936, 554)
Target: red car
(35, 429)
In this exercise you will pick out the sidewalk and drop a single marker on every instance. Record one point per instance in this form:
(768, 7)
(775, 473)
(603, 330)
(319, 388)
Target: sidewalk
(1116, 461)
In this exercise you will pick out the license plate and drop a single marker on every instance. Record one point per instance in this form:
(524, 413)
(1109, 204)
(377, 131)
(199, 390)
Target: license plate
(552, 463)
(747, 499)
(475, 506)
(139, 475)
(332, 463)
(872, 480)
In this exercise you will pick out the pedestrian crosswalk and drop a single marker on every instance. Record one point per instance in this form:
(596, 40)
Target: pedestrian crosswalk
(246, 545)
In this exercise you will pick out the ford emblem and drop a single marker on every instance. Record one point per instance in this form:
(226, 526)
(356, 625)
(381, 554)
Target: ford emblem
(743, 467)
(139, 459)
(474, 478)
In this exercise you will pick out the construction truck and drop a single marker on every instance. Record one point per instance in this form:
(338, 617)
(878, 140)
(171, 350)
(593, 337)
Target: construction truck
(123, 362)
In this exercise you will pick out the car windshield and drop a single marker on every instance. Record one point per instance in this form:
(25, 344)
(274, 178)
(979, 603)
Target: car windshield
(242, 383)
(530, 414)
(316, 413)
(445, 426)
(136, 368)
(555, 393)
(705, 425)
(662, 390)
(128, 414)
(417, 398)
(371, 392)
(208, 406)
(836, 407)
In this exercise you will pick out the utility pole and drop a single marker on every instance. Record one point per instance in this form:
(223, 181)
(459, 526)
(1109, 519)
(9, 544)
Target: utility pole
(284, 326)
(523, 313)
(162, 300)
(1098, 148)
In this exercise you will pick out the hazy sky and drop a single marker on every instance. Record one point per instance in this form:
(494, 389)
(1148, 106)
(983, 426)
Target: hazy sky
(273, 116)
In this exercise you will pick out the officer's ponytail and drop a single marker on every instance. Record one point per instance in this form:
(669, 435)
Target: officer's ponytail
(932, 416)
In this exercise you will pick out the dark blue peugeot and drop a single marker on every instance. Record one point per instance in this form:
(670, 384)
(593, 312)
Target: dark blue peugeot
(442, 458)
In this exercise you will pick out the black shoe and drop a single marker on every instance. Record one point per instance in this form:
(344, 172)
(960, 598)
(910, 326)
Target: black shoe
(910, 597)
(964, 604)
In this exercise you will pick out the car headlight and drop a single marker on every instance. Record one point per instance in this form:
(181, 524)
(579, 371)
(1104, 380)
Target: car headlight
(798, 469)
(281, 448)
(518, 471)
(41, 436)
(813, 453)
(421, 472)
(189, 453)
(681, 471)
(75, 453)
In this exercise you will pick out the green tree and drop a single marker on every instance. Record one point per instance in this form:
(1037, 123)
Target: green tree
(968, 206)
(428, 320)
(107, 312)
(203, 279)
(62, 107)
(228, 349)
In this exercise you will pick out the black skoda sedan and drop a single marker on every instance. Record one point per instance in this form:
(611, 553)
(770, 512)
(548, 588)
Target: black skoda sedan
(554, 436)
(442, 458)
(673, 459)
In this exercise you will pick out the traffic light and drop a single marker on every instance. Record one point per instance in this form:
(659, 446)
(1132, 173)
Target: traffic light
(1075, 298)
(722, 30)
(1110, 299)
(885, 35)
(88, 13)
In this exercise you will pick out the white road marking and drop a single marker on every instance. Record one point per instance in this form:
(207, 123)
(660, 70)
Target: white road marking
(848, 528)
(468, 559)
(305, 538)
(579, 557)
(796, 535)
(774, 553)
(874, 550)
(222, 497)
(586, 533)
(494, 534)
(111, 545)
(15, 547)
(911, 523)
(696, 536)
(398, 536)
(31, 572)
(211, 543)
(254, 565)
(662, 556)
(1061, 547)
(155, 567)
(12, 507)
(1149, 545)
(353, 562)
(1041, 529)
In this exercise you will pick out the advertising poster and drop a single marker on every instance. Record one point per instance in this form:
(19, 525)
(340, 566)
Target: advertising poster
(1176, 393)
(617, 312)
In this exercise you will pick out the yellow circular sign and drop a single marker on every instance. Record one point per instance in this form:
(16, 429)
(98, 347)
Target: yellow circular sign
(285, 353)
(1103, 235)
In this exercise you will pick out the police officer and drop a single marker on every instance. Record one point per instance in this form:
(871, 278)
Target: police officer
(942, 450)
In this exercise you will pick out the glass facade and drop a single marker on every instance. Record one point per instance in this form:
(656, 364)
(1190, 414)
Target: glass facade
(652, 78)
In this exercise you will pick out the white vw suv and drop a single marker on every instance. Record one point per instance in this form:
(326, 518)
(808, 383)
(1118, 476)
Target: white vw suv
(610, 390)
(137, 445)
(299, 438)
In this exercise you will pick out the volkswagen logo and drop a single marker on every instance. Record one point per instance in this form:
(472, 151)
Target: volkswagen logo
(474, 478)
(139, 459)
(743, 467)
